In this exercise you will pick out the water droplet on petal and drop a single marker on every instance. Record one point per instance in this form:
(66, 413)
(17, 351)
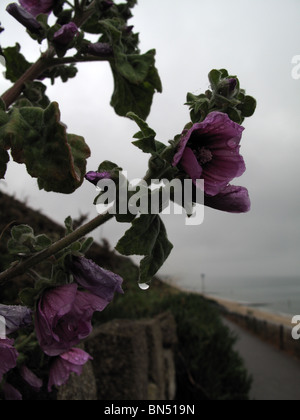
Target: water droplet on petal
(232, 143)
(144, 286)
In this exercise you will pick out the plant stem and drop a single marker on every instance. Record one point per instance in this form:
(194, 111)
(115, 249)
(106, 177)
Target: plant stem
(38, 68)
(83, 16)
(74, 60)
(63, 243)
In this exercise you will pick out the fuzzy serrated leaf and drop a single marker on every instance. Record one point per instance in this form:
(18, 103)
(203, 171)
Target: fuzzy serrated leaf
(147, 237)
(38, 139)
(16, 64)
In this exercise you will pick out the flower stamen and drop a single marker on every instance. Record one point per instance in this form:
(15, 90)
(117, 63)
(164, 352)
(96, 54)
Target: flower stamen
(203, 155)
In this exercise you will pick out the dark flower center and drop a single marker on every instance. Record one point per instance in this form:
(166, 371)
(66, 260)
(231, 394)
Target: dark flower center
(203, 155)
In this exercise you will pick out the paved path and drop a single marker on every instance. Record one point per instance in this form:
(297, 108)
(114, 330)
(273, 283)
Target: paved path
(276, 376)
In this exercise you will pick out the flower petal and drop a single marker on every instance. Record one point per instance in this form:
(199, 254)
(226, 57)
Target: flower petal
(232, 199)
(8, 356)
(31, 378)
(190, 164)
(37, 7)
(65, 364)
(95, 177)
(76, 357)
(97, 280)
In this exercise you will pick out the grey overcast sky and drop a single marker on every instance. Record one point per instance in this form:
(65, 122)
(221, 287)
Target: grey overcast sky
(254, 39)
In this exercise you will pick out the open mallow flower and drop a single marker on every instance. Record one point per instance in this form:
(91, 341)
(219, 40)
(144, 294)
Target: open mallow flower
(64, 318)
(210, 150)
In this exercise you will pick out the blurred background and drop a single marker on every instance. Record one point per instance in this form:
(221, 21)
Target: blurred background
(252, 257)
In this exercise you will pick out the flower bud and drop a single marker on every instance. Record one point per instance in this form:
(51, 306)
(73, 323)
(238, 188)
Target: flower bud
(24, 17)
(107, 4)
(95, 177)
(100, 49)
(66, 34)
(15, 317)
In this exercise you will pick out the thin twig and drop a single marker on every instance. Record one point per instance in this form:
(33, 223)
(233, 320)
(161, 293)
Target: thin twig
(63, 243)
(5, 229)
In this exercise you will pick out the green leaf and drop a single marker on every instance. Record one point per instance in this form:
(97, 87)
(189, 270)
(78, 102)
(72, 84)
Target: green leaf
(2, 105)
(147, 237)
(23, 241)
(21, 233)
(146, 136)
(28, 297)
(215, 77)
(35, 93)
(69, 225)
(248, 107)
(42, 242)
(75, 247)
(146, 131)
(108, 166)
(39, 139)
(146, 145)
(135, 77)
(128, 96)
(85, 246)
(235, 115)
(4, 159)
(16, 64)
(135, 68)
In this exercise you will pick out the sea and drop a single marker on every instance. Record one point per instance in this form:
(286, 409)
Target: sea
(279, 295)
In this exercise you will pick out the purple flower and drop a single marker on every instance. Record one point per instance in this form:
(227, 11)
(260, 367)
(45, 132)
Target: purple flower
(24, 17)
(100, 49)
(210, 150)
(15, 317)
(107, 4)
(65, 364)
(8, 356)
(31, 378)
(63, 318)
(97, 280)
(66, 34)
(95, 177)
(38, 7)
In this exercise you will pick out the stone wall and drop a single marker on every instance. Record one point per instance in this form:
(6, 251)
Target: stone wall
(132, 360)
